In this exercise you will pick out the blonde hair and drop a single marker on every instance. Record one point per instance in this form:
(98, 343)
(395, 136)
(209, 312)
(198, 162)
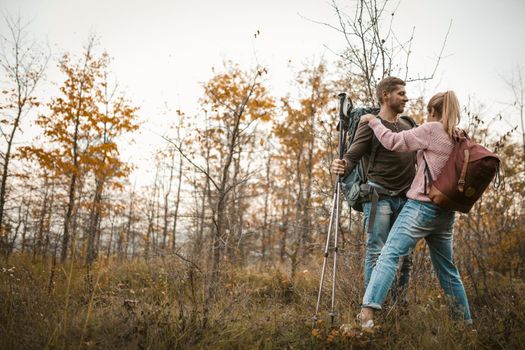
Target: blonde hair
(446, 105)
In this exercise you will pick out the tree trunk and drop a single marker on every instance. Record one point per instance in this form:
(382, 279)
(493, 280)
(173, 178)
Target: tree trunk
(166, 205)
(265, 230)
(68, 217)
(73, 181)
(176, 211)
(38, 242)
(206, 196)
(94, 221)
(128, 237)
(4, 242)
(26, 223)
(221, 202)
(111, 234)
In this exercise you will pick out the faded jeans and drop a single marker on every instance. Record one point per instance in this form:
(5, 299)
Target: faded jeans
(420, 220)
(388, 209)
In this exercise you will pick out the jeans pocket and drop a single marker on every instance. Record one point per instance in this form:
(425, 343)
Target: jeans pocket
(428, 215)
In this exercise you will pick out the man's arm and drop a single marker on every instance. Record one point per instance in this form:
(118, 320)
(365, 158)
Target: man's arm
(362, 143)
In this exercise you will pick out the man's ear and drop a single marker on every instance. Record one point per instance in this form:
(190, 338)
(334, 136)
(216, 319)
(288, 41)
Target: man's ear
(385, 95)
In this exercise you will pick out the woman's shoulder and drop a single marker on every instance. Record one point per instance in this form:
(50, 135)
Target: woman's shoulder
(437, 133)
(432, 127)
(433, 124)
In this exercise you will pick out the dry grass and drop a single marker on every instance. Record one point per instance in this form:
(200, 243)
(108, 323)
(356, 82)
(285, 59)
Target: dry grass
(161, 305)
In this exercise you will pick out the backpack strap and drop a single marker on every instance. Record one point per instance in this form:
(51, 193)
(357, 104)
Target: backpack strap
(461, 182)
(374, 196)
(428, 176)
(373, 192)
(411, 121)
(373, 153)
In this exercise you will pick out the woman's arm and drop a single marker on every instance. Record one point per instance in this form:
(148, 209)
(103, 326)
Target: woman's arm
(404, 141)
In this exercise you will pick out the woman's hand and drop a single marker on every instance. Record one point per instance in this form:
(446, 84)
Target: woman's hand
(366, 118)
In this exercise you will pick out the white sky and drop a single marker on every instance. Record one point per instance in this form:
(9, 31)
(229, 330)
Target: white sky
(163, 50)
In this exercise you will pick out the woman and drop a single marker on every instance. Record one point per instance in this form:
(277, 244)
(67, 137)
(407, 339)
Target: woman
(420, 218)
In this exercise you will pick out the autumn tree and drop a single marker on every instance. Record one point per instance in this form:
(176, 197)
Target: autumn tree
(81, 128)
(115, 117)
(301, 158)
(23, 63)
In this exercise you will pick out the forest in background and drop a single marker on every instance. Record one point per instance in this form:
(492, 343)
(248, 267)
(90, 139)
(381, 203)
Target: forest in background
(223, 248)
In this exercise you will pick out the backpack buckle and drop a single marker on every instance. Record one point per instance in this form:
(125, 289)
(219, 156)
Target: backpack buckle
(461, 185)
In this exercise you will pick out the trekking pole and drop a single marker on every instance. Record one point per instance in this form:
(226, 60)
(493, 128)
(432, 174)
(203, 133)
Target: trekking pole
(344, 106)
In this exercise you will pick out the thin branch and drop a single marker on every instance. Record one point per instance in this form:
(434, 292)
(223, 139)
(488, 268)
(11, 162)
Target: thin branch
(177, 254)
(438, 59)
(323, 24)
(179, 149)
(409, 51)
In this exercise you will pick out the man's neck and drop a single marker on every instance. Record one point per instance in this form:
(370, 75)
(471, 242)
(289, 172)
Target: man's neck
(388, 114)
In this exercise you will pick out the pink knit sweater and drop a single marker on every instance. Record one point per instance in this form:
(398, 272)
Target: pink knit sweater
(430, 140)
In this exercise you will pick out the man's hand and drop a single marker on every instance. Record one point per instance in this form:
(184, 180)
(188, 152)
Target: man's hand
(338, 166)
(366, 118)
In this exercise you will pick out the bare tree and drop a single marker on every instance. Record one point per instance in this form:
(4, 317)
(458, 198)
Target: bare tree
(174, 169)
(517, 86)
(127, 234)
(23, 62)
(179, 185)
(373, 51)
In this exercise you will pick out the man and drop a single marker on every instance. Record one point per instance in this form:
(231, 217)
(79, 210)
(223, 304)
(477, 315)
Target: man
(390, 175)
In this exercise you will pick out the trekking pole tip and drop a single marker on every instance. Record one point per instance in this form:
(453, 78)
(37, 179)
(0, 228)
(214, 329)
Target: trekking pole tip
(332, 317)
(314, 321)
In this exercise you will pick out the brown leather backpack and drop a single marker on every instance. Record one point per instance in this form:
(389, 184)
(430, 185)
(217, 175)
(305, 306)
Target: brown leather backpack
(467, 173)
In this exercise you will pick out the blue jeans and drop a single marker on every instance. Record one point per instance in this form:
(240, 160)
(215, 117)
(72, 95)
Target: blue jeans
(420, 220)
(388, 209)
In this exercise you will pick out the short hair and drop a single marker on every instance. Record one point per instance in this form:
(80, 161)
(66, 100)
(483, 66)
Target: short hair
(388, 85)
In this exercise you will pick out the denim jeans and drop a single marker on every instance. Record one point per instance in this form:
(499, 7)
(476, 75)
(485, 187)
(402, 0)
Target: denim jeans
(420, 220)
(387, 211)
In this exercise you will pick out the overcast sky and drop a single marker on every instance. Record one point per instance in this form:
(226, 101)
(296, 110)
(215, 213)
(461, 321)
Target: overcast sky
(163, 50)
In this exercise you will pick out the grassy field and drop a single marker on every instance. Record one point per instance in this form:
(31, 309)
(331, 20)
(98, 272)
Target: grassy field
(161, 304)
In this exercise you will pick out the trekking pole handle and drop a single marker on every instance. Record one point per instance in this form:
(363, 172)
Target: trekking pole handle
(345, 106)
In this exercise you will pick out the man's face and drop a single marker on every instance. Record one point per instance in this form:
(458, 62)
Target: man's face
(396, 99)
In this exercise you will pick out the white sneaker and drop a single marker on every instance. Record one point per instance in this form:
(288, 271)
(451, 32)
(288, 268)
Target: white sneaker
(367, 325)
